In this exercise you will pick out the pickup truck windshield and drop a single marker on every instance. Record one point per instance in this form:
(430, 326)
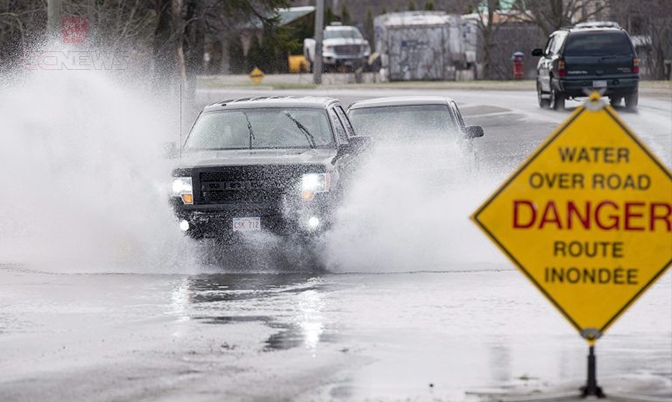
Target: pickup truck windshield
(405, 122)
(589, 43)
(348, 33)
(261, 129)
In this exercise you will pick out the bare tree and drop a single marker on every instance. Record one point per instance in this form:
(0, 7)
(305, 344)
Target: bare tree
(22, 25)
(550, 15)
(649, 22)
(169, 68)
(488, 22)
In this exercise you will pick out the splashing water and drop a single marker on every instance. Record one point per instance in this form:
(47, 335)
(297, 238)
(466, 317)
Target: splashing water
(409, 211)
(84, 188)
(84, 183)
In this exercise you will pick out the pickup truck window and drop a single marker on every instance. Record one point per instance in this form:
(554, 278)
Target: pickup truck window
(549, 45)
(261, 129)
(405, 123)
(348, 33)
(349, 131)
(458, 115)
(338, 126)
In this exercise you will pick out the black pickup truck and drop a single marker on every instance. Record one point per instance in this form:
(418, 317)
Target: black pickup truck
(277, 164)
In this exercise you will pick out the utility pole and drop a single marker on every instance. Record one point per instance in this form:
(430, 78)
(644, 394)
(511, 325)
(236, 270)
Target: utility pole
(54, 17)
(319, 34)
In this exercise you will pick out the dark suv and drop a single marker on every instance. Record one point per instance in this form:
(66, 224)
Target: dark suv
(275, 164)
(586, 57)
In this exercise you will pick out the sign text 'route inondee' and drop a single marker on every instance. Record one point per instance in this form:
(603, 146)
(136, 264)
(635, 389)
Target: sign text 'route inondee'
(587, 218)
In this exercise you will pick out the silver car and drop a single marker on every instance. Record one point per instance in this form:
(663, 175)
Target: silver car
(428, 129)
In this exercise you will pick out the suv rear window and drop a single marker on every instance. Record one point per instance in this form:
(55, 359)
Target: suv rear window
(598, 44)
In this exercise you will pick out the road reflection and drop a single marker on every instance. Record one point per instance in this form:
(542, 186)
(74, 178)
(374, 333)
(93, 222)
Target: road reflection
(291, 303)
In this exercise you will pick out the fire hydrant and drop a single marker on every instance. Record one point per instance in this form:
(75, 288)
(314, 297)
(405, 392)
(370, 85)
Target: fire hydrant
(518, 65)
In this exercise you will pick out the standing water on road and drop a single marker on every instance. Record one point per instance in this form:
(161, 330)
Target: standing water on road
(84, 190)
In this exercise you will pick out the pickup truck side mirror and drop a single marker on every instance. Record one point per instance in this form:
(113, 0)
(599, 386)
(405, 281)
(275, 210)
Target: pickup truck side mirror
(473, 132)
(355, 145)
(170, 150)
(360, 143)
(537, 52)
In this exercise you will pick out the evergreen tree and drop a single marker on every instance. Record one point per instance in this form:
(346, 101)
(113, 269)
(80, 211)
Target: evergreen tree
(267, 63)
(411, 5)
(237, 62)
(345, 14)
(255, 56)
(304, 28)
(368, 26)
(429, 5)
(328, 16)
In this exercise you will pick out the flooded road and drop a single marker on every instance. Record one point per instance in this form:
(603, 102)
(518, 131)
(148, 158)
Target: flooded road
(457, 335)
(100, 304)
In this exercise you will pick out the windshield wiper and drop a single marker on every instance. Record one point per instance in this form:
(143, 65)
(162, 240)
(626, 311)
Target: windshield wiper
(304, 130)
(249, 129)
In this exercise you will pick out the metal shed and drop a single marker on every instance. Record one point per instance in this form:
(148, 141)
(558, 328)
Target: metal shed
(420, 45)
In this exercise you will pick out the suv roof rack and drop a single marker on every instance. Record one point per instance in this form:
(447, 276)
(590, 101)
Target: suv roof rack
(597, 24)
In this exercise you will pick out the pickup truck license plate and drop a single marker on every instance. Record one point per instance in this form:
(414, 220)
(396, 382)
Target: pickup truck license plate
(246, 224)
(600, 84)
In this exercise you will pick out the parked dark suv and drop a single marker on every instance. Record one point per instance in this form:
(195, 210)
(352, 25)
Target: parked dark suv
(586, 57)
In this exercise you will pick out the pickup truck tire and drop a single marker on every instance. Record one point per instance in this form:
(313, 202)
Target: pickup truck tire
(631, 101)
(543, 103)
(557, 100)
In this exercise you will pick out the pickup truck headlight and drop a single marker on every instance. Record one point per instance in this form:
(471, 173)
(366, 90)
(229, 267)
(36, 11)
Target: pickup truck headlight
(328, 48)
(183, 188)
(312, 183)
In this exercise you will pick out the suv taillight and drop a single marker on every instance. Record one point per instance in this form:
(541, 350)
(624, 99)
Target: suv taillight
(635, 65)
(561, 68)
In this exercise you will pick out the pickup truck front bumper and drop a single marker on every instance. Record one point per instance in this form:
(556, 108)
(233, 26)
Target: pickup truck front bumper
(222, 222)
(343, 60)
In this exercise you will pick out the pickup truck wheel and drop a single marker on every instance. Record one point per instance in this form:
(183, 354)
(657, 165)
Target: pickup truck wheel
(631, 101)
(615, 100)
(557, 100)
(543, 103)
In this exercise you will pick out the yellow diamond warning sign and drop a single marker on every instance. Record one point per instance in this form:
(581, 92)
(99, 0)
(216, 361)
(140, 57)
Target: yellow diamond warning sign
(256, 75)
(587, 218)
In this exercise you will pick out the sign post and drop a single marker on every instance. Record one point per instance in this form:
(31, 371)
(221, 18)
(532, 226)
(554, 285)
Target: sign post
(587, 218)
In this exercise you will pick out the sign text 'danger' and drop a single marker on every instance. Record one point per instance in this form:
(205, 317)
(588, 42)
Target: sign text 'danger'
(587, 218)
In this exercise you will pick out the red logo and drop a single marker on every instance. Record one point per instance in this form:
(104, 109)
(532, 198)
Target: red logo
(74, 30)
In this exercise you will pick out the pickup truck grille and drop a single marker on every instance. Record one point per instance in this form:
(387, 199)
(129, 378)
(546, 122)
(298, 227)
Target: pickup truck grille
(245, 184)
(350, 50)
